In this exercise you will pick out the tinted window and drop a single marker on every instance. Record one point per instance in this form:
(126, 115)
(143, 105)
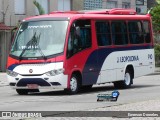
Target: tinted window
(146, 28)
(135, 32)
(119, 33)
(79, 37)
(103, 33)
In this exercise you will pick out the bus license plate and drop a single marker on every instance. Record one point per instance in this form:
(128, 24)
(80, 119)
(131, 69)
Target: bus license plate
(32, 86)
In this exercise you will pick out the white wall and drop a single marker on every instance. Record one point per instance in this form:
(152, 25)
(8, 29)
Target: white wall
(64, 5)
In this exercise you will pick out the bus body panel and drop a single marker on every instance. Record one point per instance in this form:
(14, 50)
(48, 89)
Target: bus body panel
(95, 64)
(112, 63)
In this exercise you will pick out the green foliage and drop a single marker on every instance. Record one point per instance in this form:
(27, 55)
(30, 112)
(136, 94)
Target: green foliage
(157, 50)
(39, 7)
(158, 1)
(157, 54)
(155, 13)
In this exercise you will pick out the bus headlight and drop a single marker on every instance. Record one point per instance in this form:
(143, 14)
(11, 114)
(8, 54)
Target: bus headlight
(55, 72)
(11, 73)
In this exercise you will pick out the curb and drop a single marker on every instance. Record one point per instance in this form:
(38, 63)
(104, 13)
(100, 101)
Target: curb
(155, 73)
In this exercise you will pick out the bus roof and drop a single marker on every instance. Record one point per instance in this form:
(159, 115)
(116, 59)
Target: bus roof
(115, 14)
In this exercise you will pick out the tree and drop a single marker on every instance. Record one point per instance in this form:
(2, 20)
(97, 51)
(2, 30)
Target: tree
(157, 54)
(154, 11)
(39, 7)
(158, 1)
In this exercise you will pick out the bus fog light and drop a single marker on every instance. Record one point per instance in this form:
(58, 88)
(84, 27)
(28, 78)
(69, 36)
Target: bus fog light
(55, 72)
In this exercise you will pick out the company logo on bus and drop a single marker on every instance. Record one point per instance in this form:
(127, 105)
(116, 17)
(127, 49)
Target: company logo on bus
(30, 71)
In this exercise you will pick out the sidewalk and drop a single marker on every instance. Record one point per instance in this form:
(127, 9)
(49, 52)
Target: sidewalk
(3, 79)
(157, 69)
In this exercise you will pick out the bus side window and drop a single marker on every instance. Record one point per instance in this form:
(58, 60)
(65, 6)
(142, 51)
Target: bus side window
(146, 29)
(79, 37)
(85, 38)
(135, 32)
(119, 33)
(103, 33)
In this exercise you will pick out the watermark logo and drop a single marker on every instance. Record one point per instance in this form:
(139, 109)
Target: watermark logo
(108, 97)
(6, 114)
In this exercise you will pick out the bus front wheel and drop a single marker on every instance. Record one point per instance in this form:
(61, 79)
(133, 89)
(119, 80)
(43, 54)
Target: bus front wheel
(74, 85)
(126, 83)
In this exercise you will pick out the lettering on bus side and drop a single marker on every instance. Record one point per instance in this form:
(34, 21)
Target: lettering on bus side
(127, 59)
(150, 56)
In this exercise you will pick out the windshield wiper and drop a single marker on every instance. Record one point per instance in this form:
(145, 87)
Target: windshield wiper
(27, 45)
(33, 42)
(40, 51)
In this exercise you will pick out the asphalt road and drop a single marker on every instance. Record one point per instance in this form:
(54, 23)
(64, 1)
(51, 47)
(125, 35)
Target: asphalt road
(144, 88)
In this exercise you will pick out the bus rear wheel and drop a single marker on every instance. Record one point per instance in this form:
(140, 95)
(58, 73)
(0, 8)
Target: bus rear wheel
(26, 91)
(126, 83)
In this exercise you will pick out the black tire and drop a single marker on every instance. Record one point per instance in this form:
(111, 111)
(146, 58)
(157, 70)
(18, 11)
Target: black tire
(33, 90)
(22, 91)
(26, 91)
(87, 87)
(74, 85)
(126, 83)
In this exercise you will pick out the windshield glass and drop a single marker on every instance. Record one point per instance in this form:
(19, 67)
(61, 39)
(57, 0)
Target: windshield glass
(39, 39)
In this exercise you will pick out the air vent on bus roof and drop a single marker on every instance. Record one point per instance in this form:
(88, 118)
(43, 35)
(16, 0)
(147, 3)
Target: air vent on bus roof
(116, 11)
(120, 11)
(71, 12)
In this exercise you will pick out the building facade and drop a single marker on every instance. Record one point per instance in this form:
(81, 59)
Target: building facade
(14, 10)
(141, 6)
(102, 4)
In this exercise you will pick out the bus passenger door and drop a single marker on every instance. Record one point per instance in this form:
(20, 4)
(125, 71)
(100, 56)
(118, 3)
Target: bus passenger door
(81, 55)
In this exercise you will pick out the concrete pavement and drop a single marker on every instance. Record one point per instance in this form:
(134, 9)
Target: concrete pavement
(3, 79)
(143, 96)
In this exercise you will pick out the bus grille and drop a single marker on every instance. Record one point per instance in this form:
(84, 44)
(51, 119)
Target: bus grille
(23, 82)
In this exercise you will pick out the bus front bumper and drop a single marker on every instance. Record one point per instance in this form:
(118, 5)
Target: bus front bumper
(38, 82)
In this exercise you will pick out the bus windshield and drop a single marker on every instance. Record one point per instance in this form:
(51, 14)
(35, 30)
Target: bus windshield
(39, 39)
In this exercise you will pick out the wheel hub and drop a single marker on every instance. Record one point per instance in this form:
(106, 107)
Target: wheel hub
(73, 84)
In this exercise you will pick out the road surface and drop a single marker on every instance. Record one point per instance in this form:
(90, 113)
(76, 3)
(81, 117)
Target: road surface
(145, 89)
